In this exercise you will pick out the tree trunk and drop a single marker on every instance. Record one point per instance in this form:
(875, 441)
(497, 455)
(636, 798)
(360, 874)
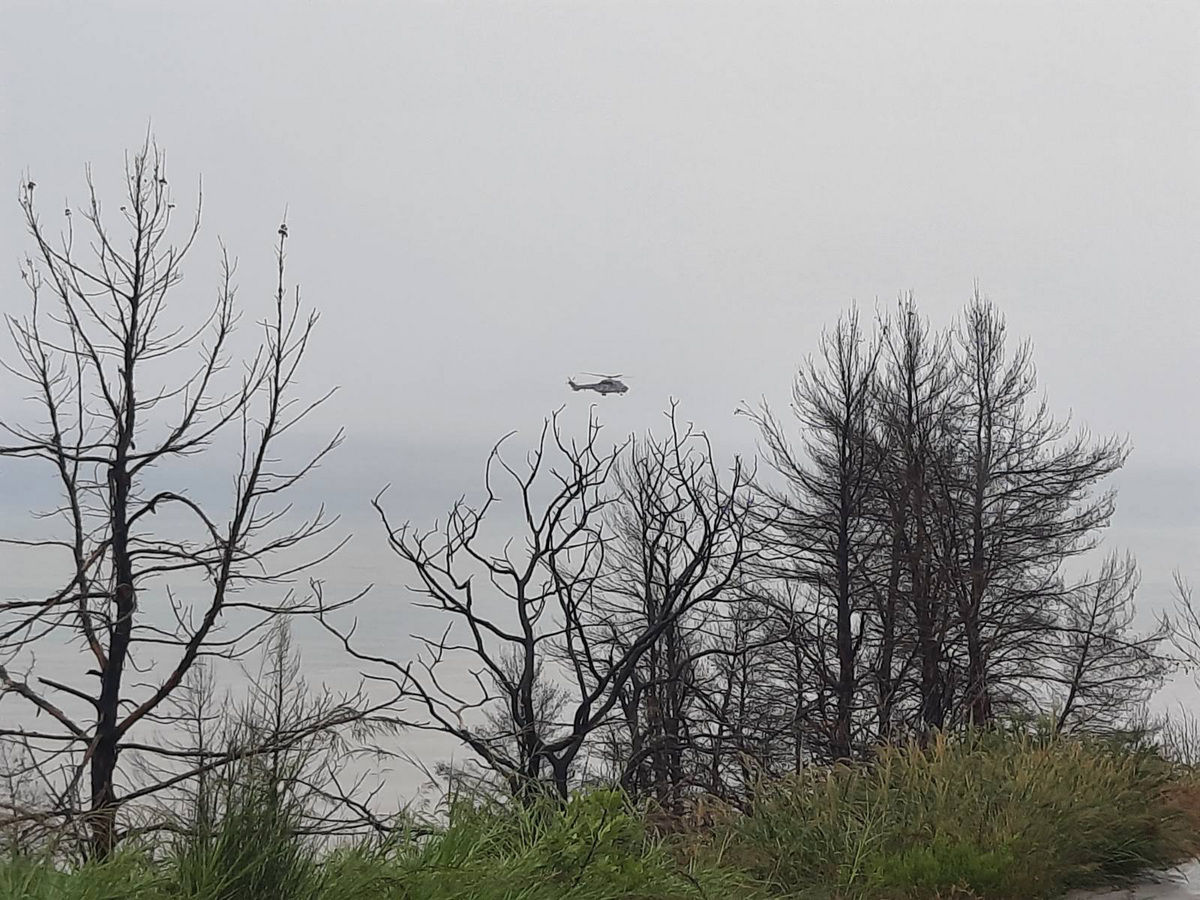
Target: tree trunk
(884, 674)
(845, 647)
(104, 757)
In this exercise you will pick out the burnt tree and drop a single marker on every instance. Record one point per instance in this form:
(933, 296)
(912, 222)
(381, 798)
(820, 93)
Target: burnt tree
(824, 530)
(147, 566)
(916, 420)
(680, 538)
(533, 606)
(1019, 502)
(1103, 669)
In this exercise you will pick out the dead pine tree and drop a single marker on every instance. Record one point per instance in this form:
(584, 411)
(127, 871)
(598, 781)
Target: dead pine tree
(824, 528)
(1104, 670)
(1017, 493)
(916, 416)
(96, 351)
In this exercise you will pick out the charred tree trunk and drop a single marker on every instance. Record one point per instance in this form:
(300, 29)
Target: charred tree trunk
(843, 734)
(885, 677)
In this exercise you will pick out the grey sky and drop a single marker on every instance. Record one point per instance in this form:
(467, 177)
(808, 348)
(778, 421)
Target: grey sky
(485, 198)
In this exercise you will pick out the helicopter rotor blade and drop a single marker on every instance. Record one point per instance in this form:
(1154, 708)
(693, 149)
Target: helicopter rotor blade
(596, 375)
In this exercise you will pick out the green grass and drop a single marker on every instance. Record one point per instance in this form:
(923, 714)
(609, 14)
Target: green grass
(999, 816)
(596, 847)
(988, 816)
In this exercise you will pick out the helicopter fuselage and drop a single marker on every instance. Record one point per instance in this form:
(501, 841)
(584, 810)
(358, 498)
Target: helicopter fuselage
(605, 386)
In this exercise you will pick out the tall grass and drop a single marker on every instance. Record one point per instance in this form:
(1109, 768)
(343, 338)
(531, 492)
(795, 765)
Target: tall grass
(594, 847)
(244, 840)
(994, 816)
(1004, 816)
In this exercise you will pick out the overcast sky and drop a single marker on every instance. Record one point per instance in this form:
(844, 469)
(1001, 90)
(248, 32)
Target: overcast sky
(485, 198)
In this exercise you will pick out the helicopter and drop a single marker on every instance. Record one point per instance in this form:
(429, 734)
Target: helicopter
(608, 384)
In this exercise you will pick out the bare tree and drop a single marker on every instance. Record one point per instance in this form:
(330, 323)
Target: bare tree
(928, 518)
(1017, 496)
(94, 351)
(538, 598)
(683, 540)
(825, 528)
(296, 741)
(1105, 671)
(917, 415)
(542, 613)
(1182, 628)
(755, 694)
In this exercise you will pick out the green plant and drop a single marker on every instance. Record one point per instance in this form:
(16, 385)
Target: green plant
(1074, 812)
(243, 842)
(1010, 815)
